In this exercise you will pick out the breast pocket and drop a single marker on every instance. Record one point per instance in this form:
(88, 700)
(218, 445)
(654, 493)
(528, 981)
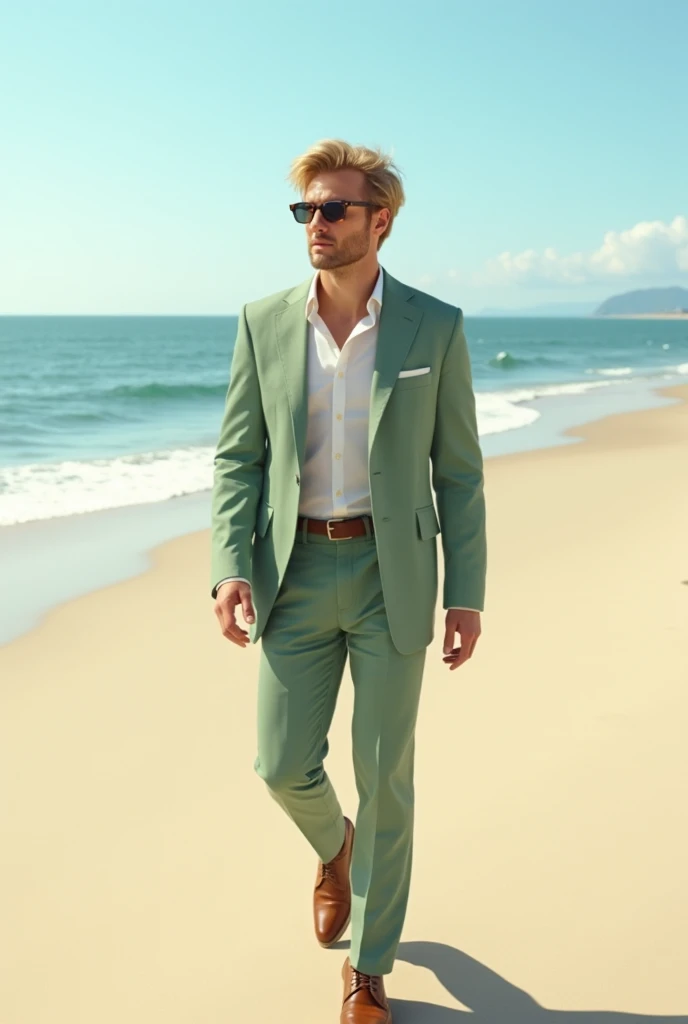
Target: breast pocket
(420, 380)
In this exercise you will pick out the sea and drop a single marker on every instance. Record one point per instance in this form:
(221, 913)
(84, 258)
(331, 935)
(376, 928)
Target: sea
(108, 427)
(111, 411)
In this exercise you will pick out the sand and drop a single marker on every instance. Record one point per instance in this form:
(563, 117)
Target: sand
(147, 877)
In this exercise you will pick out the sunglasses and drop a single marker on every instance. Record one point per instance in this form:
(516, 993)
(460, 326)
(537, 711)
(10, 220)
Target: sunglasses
(333, 210)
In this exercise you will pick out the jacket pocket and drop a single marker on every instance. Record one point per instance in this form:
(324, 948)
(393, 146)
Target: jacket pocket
(420, 380)
(428, 523)
(263, 518)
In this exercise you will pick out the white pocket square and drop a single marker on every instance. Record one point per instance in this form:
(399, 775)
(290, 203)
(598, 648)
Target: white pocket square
(414, 373)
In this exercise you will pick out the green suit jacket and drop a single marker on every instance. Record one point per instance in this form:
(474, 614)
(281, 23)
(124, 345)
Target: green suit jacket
(422, 431)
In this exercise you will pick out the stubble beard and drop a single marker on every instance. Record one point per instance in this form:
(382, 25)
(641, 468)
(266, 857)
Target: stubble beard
(350, 251)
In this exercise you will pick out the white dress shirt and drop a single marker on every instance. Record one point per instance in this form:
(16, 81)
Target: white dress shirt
(334, 475)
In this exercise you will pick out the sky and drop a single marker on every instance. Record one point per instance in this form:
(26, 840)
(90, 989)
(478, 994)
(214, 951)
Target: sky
(144, 147)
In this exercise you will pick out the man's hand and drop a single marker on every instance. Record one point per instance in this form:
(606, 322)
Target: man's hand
(228, 597)
(467, 625)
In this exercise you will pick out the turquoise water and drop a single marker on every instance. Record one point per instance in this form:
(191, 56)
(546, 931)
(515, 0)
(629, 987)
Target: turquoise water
(104, 412)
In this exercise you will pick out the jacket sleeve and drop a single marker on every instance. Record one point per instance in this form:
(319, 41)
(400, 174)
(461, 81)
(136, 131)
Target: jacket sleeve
(238, 465)
(457, 477)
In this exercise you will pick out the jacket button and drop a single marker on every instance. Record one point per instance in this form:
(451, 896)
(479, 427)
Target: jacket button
(386, 519)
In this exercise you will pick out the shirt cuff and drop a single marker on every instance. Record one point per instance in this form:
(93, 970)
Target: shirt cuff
(227, 580)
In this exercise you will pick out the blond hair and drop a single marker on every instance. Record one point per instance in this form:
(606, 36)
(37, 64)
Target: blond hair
(383, 178)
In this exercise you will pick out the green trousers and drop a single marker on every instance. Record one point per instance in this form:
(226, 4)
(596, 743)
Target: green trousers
(330, 604)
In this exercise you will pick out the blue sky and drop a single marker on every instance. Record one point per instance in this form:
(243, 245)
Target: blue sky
(145, 147)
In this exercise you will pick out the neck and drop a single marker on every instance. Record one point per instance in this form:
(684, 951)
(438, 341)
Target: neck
(344, 291)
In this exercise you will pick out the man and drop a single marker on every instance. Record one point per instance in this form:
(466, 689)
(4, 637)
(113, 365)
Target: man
(346, 394)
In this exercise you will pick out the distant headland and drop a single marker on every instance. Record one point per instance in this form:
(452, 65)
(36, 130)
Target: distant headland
(647, 303)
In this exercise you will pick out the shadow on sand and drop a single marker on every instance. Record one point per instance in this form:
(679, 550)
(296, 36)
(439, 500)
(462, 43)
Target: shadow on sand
(490, 998)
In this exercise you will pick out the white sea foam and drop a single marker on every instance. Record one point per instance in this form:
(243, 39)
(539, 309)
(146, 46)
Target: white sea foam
(498, 412)
(616, 371)
(502, 410)
(50, 490)
(47, 491)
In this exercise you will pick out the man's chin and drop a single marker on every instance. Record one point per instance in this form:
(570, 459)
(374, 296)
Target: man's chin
(323, 260)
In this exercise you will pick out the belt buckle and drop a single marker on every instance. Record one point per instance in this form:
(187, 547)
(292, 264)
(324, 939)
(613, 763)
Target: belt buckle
(329, 528)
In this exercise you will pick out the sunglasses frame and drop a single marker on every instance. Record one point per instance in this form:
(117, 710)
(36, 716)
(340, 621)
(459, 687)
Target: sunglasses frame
(314, 207)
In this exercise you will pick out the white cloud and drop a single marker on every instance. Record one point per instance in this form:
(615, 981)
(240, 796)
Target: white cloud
(651, 249)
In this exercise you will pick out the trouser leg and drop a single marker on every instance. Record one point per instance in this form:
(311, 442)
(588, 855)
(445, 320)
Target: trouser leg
(301, 666)
(331, 602)
(387, 689)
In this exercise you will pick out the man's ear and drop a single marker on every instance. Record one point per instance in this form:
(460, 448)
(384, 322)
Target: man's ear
(383, 218)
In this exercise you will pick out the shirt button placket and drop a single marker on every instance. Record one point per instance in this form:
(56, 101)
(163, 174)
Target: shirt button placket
(338, 403)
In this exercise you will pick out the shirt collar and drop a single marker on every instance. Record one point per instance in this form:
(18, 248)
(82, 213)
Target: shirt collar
(374, 304)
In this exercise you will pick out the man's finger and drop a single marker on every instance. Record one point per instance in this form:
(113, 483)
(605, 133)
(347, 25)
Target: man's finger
(228, 617)
(247, 608)
(237, 635)
(468, 643)
(231, 630)
(448, 639)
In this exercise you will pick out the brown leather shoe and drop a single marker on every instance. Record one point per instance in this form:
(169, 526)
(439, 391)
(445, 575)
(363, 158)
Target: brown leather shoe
(332, 896)
(365, 1001)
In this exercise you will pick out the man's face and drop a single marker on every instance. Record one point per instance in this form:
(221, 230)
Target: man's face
(348, 240)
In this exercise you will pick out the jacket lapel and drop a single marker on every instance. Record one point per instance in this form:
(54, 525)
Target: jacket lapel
(291, 335)
(399, 323)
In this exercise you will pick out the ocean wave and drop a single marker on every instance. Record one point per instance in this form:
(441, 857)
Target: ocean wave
(51, 490)
(497, 412)
(529, 394)
(503, 410)
(152, 391)
(157, 391)
(506, 361)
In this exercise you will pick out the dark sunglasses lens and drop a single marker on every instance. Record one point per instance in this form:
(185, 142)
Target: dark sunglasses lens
(303, 213)
(334, 211)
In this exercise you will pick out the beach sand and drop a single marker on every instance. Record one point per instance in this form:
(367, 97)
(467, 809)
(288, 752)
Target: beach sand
(148, 878)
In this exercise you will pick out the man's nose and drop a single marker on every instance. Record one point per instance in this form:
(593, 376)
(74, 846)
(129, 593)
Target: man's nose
(318, 223)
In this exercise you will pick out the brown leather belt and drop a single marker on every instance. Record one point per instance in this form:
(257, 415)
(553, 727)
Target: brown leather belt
(338, 529)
